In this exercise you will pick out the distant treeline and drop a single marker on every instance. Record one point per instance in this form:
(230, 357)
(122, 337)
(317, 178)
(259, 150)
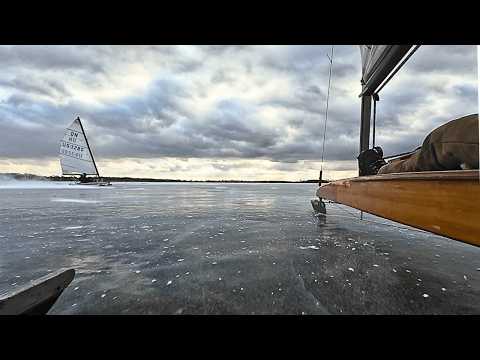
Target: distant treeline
(17, 176)
(130, 179)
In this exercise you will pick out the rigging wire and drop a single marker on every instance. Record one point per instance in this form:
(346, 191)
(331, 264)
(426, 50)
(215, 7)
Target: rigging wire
(330, 58)
(375, 99)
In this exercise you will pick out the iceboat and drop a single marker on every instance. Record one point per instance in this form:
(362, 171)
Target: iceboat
(76, 157)
(445, 202)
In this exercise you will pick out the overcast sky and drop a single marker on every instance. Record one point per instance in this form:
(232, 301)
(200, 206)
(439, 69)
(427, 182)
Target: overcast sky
(218, 112)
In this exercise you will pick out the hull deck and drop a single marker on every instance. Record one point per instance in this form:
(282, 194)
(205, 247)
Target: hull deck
(446, 203)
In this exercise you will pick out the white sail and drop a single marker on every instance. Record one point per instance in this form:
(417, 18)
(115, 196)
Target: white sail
(75, 155)
(378, 62)
(371, 57)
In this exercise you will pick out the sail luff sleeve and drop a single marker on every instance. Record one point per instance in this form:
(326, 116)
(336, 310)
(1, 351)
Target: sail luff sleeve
(88, 146)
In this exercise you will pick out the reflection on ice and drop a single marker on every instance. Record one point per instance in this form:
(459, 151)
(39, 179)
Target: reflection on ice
(81, 201)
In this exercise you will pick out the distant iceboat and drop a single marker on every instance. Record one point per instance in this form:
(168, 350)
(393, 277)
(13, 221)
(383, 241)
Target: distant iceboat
(76, 156)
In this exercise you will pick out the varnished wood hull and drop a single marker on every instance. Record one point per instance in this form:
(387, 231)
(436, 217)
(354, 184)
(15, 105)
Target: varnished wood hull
(446, 203)
(37, 297)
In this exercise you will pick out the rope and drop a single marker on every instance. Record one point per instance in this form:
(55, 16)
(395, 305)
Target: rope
(374, 117)
(401, 154)
(330, 58)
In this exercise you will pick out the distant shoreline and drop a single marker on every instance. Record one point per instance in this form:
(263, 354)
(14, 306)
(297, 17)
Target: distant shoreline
(21, 177)
(130, 179)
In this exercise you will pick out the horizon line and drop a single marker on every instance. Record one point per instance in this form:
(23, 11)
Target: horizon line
(67, 178)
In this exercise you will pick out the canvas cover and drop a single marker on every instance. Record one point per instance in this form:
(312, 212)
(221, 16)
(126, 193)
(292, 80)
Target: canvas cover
(452, 146)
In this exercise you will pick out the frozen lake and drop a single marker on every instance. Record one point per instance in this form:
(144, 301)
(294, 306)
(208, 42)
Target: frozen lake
(215, 248)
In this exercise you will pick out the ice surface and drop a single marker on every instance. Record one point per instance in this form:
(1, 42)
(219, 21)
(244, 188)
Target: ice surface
(158, 248)
(309, 247)
(81, 201)
(37, 185)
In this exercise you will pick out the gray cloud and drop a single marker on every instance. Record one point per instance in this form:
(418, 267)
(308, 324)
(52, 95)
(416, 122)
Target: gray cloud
(54, 57)
(222, 76)
(51, 88)
(38, 99)
(452, 59)
(309, 99)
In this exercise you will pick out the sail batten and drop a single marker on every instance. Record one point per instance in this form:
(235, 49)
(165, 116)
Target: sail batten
(75, 155)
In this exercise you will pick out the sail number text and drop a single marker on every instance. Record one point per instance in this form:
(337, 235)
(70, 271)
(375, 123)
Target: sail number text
(74, 150)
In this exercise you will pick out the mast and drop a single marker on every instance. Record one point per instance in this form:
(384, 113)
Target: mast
(375, 74)
(88, 146)
(439, 202)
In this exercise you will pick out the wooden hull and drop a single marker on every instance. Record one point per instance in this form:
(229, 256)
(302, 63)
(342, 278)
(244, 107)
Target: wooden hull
(446, 203)
(37, 297)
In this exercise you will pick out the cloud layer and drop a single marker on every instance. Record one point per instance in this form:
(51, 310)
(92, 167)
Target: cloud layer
(222, 108)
